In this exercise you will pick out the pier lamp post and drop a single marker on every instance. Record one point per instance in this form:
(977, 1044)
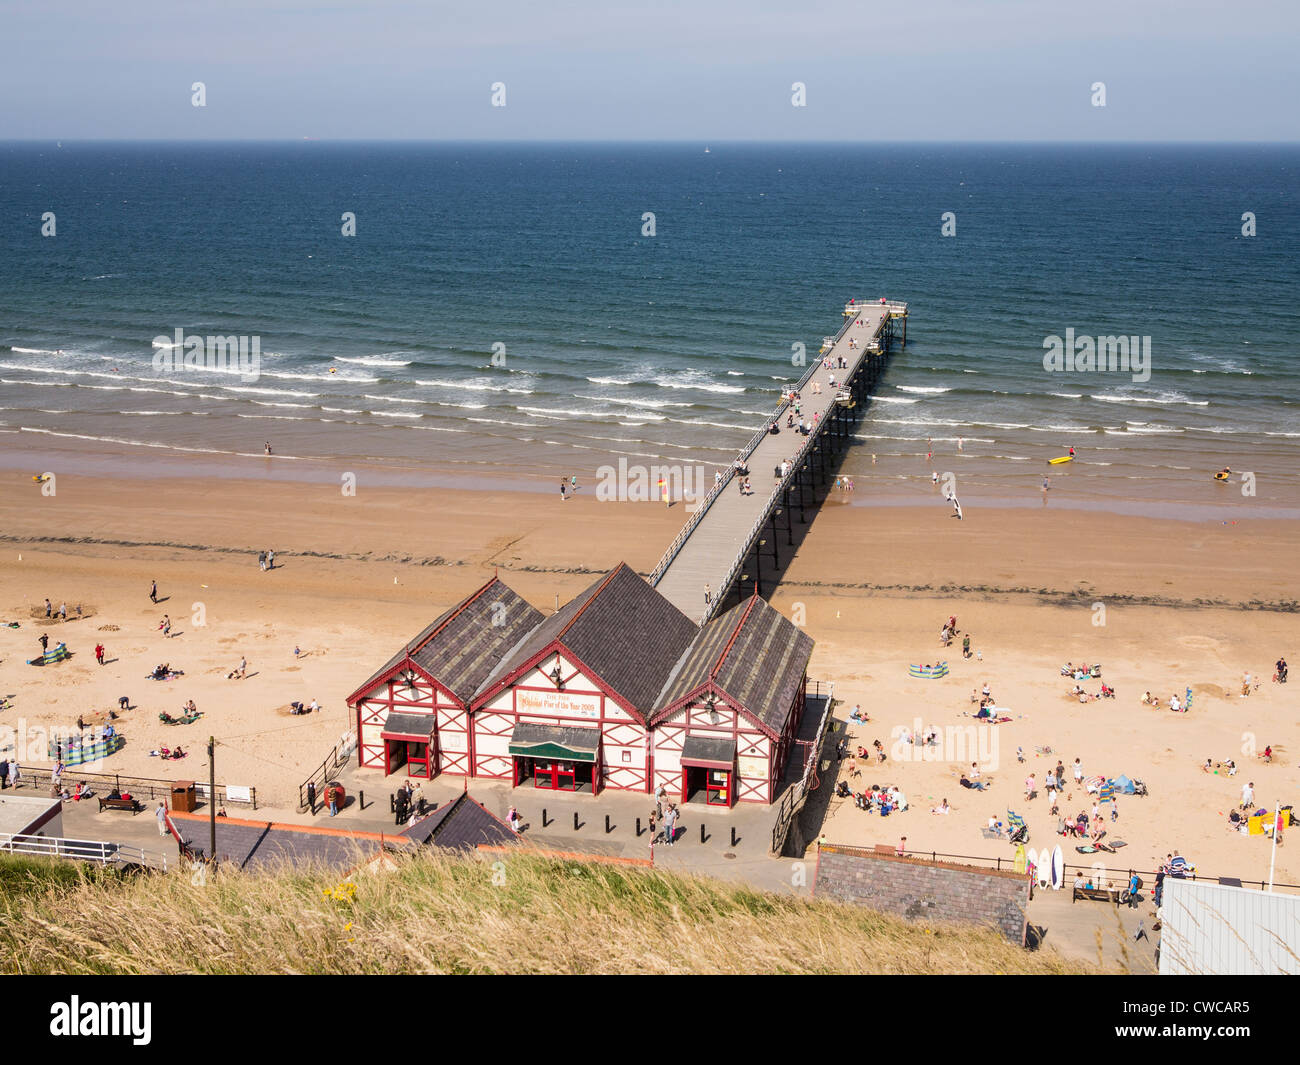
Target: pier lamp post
(557, 678)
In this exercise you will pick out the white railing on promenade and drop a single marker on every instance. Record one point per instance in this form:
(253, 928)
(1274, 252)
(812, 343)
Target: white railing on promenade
(88, 850)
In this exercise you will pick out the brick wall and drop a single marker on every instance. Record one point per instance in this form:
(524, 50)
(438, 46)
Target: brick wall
(923, 890)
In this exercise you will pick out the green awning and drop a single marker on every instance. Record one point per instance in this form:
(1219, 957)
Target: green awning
(555, 742)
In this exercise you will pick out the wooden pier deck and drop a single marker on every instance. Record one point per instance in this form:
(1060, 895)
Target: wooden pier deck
(727, 528)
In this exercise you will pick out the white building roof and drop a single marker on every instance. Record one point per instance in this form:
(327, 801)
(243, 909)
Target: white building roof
(1210, 929)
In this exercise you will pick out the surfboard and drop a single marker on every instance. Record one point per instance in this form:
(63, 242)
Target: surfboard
(1063, 458)
(1058, 868)
(1221, 476)
(1045, 869)
(1031, 862)
(1021, 859)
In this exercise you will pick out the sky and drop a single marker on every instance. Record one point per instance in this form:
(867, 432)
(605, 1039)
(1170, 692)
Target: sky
(690, 70)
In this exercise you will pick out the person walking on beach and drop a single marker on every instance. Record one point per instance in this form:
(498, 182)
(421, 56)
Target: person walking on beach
(1078, 771)
(166, 626)
(49, 609)
(63, 616)
(153, 593)
(965, 646)
(270, 560)
(261, 560)
(268, 447)
(99, 653)
(160, 815)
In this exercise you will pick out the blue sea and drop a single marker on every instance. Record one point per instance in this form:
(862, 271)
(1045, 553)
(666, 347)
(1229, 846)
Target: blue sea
(377, 350)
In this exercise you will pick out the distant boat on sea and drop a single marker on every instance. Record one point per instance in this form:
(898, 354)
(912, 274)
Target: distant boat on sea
(706, 149)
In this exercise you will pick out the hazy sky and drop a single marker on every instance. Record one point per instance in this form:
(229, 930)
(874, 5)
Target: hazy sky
(677, 69)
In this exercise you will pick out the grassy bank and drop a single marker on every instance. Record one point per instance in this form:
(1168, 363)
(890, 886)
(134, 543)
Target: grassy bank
(433, 913)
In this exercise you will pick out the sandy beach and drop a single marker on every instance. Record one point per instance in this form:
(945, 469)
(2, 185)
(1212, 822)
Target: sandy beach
(1184, 604)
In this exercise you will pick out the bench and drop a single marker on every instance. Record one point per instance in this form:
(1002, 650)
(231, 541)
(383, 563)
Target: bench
(1097, 894)
(134, 805)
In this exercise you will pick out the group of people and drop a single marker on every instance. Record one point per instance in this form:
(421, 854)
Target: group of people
(884, 800)
(10, 774)
(663, 820)
(844, 484)
(297, 707)
(266, 560)
(568, 487)
(61, 613)
(409, 802)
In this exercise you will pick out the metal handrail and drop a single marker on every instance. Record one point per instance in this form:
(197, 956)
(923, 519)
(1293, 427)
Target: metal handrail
(720, 485)
(89, 850)
(1112, 871)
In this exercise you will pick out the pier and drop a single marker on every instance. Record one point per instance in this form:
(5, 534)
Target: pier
(724, 544)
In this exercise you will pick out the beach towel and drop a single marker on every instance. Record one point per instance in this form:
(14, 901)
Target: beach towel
(928, 672)
(58, 653)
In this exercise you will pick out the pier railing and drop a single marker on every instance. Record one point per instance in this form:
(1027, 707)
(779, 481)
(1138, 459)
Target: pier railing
(720, 485)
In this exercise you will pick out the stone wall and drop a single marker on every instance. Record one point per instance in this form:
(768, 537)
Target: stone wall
(921, 890)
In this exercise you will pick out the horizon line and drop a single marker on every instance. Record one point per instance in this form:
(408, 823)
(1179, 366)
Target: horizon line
(596, 141)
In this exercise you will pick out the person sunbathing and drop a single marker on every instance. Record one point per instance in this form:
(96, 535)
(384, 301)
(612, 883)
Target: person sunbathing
(942, 808)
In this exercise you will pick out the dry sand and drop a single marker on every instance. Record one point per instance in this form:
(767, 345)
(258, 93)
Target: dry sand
(1186, 605)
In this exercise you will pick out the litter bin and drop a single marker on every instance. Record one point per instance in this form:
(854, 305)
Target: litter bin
(184, 797)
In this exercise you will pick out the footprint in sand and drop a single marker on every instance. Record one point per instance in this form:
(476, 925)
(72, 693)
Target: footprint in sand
(1201, 643)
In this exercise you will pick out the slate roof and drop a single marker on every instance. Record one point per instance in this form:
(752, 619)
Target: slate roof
(399, 724)
(263, 844)
(715, 752)
(621, 629)
(464, 645)
(753, 654)
(460, 824)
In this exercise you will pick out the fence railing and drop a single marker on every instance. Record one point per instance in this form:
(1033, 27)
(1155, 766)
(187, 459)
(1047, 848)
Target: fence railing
(139, 787)
(313, 787)
(1116, 875)
(720, 485)
(792, 801)
(87, 850)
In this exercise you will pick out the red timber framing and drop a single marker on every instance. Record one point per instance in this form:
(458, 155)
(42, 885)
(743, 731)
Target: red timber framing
(451, 746)
(690, 715)
(522, 696)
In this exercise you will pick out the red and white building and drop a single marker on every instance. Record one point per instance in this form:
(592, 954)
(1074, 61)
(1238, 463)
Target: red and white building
(571, 706)
(617, 689)
(729, 714)
(413, 714)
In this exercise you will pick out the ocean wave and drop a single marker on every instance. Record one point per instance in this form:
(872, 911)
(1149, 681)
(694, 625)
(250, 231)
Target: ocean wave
(394, 414)
(268, 391)
(922, 388)
(475, 387)
(1168, 398)
(893, 399)
(698, 385)
(373, 360)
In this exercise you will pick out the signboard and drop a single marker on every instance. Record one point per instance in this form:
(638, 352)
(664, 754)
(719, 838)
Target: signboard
(752, 766)
(452, 741)
(557, 703)
(236, 793)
